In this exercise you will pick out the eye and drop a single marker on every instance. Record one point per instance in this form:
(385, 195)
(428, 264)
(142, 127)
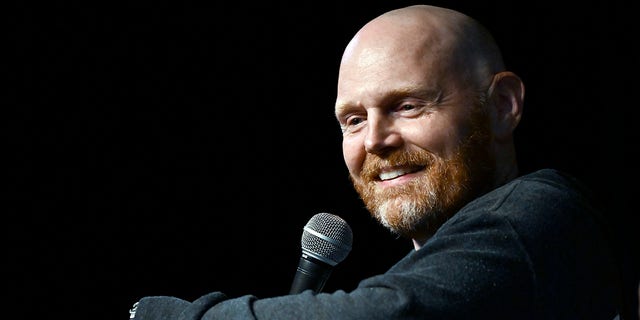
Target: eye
(352, 123)
(409, 109)
(406, 107)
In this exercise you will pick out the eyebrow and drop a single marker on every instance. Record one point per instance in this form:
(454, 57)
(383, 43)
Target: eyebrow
(428, 94)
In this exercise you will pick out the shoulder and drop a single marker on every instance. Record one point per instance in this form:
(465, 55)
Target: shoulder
(548, 204)
(535, 195)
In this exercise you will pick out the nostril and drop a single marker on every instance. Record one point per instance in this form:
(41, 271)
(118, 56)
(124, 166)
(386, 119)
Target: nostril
(382, 143)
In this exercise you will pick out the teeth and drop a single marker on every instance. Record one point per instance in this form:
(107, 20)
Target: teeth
(393, 174)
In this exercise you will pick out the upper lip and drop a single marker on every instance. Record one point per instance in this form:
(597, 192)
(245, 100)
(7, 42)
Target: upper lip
(391, 173)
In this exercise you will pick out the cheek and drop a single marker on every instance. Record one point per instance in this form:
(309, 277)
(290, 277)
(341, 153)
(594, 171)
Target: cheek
(438, 137)
(430, 138)
(354, 154)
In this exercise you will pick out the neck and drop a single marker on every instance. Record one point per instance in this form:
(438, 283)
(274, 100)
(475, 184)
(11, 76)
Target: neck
(504, 176)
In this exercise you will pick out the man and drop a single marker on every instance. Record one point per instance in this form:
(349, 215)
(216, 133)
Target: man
(427, 111)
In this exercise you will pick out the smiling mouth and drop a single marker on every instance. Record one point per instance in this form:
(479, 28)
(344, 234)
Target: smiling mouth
(397, 172)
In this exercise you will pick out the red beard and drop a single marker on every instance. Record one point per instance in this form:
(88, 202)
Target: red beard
(418, 208)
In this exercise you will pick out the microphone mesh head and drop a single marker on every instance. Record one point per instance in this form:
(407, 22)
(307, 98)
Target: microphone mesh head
(327, 238)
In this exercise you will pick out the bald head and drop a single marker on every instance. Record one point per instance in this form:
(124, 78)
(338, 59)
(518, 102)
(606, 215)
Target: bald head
(427, 113)
(429, 36)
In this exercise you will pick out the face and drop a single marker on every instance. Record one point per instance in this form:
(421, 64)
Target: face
(415, 137)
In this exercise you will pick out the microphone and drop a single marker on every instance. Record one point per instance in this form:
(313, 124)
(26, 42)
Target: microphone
(326, 241)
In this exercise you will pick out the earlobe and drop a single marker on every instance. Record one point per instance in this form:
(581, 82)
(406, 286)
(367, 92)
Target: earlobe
(506, 95)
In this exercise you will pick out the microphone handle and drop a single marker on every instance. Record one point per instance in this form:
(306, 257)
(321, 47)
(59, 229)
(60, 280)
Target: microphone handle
(311, 274)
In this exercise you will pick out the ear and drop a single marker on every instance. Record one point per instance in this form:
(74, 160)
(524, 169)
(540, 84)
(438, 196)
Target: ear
(506, 96)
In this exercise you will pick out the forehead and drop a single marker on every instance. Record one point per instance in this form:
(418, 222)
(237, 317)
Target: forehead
(372, 73)
(395, 52)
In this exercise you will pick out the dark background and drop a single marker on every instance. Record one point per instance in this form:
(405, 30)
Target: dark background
(162, 148)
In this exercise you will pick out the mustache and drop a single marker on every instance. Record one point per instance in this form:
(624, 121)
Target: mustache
(373, 164)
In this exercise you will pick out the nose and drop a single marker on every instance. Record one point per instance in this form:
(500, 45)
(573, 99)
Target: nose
(381, 135)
